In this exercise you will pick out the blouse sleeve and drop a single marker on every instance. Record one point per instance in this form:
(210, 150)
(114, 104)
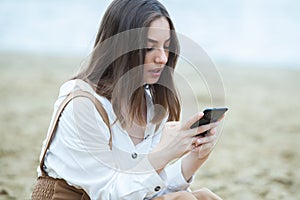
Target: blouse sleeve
(80, 154)
(175, 179)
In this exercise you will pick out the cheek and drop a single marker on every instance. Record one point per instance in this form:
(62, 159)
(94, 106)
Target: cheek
(147, 58)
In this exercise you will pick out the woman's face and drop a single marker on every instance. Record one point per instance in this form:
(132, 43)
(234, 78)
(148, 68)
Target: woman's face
(157, 51)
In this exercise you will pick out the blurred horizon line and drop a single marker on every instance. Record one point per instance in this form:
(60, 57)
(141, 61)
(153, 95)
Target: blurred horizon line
(81, 58)
(246, 31)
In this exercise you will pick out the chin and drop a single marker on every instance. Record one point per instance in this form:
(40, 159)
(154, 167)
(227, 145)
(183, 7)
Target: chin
(152, 81)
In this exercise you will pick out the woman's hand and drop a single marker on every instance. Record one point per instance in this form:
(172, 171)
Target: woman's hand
(177, 139)
(202, 149)
(204, 145)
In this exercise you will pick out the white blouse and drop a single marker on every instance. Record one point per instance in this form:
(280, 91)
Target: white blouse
(80, 154)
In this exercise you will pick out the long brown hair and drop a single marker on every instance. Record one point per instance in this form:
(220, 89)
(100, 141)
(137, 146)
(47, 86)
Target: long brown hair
(115, 67)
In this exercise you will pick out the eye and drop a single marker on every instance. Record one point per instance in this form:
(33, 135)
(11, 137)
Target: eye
(148, 49)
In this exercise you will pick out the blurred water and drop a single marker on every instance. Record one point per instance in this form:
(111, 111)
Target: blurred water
(241, 31)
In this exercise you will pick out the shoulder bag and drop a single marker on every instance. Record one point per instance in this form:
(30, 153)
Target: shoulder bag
(48, 188)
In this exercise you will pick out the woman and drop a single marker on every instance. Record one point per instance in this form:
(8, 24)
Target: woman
(152, 154)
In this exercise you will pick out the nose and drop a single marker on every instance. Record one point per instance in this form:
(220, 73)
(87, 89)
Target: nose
(162, 56)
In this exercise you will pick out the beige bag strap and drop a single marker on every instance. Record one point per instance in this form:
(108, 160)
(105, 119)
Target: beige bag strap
(72, 95)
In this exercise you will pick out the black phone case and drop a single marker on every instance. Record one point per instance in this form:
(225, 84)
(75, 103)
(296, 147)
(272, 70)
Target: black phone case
(210, 115)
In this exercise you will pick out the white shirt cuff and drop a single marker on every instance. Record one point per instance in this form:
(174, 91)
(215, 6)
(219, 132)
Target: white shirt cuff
(175, 178)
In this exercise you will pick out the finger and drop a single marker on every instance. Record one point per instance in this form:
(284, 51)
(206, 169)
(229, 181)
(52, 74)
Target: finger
(205, 140)
(194, 141)
(191, 121)
(204, 147)
(212, 131)
(207, 127)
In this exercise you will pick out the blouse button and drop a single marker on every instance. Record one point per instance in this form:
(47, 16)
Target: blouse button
(134, 155)
(146, 137)
(157, 188)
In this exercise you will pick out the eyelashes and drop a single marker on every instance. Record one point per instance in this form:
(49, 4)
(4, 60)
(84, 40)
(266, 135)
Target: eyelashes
(149, 49)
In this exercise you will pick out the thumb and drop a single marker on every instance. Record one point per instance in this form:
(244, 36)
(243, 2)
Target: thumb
(186, 125)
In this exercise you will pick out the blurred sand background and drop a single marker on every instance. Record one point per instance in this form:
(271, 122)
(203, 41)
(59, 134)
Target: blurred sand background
(257, 156)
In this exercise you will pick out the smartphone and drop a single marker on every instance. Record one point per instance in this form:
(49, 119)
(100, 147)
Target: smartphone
(210, 115)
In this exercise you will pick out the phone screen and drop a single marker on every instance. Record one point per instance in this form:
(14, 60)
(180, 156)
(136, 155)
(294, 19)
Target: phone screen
(210, 115)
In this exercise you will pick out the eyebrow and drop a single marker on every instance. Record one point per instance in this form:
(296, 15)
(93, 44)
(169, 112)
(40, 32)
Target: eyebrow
(155, 41)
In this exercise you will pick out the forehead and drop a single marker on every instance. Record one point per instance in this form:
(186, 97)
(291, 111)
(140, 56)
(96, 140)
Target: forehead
(159, 29)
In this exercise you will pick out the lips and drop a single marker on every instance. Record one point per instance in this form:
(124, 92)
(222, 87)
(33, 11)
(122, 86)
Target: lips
(156, 72)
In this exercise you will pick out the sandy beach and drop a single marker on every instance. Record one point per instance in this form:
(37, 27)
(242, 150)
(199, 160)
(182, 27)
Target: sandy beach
(257, 155)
